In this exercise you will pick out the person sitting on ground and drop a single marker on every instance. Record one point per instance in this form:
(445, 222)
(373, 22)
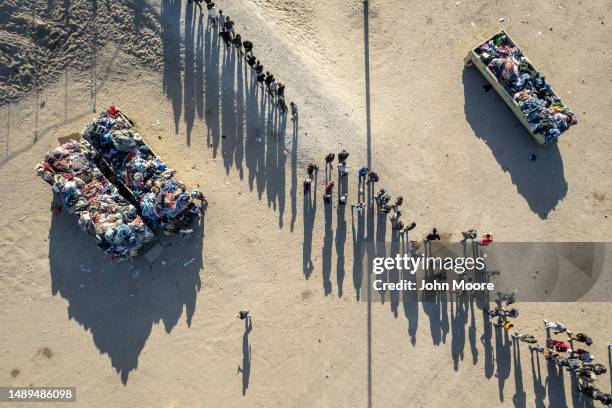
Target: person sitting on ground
(547, 352)
(597, 368)
(487, 239)
(329, 187)
(329, 160)
(583, 355)
(399, 201)
(556, 327)
(373, 177)
(524, 337)
(342, 199)
(580, 337)
(432, 236)
(561, 346)
(248, 47)
(343, 155)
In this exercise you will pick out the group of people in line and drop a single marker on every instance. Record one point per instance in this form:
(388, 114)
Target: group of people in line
(577, 360)
(227, 32)
(382, 198)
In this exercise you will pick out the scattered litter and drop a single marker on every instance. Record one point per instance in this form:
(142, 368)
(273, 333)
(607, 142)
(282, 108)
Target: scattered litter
(22, 218)
(532, 157)
(501, 20)
(189, 262)
(487, 87)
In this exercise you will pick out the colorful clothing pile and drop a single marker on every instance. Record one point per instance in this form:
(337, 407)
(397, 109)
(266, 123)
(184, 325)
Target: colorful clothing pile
(162, 199)
(102, 211)
(544, 111)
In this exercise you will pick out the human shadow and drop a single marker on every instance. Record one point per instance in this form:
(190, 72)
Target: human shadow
(556, 385)
(171, 43)
(309, 210)
(539, 389)
(326, 258)
(189, 80)
(520, 396)
(358, 237)
(541, 182)
(119, 302)
(341, 231)
(246, 355)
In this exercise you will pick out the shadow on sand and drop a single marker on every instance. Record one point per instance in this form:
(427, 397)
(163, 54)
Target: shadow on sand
(120, 302)
(541, 182)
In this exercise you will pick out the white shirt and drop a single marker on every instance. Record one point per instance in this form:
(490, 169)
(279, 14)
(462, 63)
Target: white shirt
(213, 13)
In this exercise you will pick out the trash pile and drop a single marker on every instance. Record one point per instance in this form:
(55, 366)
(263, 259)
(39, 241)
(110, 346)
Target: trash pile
(73, 174)
(545, 111)
(162, 200)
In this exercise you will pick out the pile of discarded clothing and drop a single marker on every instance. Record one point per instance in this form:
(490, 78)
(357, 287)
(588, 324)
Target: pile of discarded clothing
(544, 111)
(73, 174)
(161, 199)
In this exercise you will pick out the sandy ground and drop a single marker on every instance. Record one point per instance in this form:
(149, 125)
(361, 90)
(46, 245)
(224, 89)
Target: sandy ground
(164, 335)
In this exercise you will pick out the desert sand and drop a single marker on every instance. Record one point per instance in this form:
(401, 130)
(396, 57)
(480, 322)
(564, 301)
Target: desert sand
(132, 334)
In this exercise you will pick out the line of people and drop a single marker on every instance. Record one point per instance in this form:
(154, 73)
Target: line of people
(579, 361)
(227, 32)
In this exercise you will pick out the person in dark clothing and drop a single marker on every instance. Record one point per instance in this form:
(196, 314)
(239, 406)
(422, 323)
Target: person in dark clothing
(269, 79)
(226, 37)
(229, 25)
(237, 41)
(258, 68)
(260, 79)
(251, 60)
(343, 155)
(248, 48)
(373, 177)
(432, 236)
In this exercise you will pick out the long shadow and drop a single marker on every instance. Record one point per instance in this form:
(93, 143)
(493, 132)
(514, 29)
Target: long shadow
(520, 396)
(459, 314)
(118, 303)
(294, 177)
(556, 385)
(228, 111)
(326, 258)
(410, 300)
(358, 236)
(502, 360)
(171, 43)
(212, 50)
(541, 182)
(189, 80)
(246, 355)
(310, 210)
(539, 389)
